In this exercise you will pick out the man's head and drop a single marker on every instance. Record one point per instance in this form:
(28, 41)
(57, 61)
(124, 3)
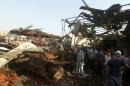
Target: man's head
(118, 53)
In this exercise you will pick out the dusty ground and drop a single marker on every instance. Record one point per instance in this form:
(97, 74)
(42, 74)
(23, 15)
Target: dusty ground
(11, 78)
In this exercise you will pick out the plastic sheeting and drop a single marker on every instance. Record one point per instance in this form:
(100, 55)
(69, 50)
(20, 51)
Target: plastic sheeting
(3, 62)
(4, 59)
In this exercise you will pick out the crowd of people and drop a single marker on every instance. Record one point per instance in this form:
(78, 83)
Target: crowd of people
(108, 63)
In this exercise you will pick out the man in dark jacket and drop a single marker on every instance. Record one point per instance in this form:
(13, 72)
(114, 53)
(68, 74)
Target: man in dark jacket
(114, 69)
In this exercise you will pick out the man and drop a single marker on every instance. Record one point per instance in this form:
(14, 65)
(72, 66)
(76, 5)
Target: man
(80, 61)
(91, 59)
(60, 50)
(114, 69)
(100, 61)
(75, 51)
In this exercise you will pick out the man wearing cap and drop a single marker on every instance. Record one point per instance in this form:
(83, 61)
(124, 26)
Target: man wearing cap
(114, 69)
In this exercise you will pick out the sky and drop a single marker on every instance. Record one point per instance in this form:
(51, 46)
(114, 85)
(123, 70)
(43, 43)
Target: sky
(45, 14)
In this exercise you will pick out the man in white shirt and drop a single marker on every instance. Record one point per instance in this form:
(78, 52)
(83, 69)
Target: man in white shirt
(80, 62)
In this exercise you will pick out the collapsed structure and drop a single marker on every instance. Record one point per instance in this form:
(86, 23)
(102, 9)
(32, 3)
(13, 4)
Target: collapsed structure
(94, 24)
(34, 51)
(47, 54)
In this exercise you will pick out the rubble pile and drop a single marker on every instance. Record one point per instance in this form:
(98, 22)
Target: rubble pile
(7, 77)
(41, 55)
(44, 64)
(11, 78)
(51, 56)
(29, 34)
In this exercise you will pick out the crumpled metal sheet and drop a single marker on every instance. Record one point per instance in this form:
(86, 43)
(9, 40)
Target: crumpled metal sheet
(7, 57)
